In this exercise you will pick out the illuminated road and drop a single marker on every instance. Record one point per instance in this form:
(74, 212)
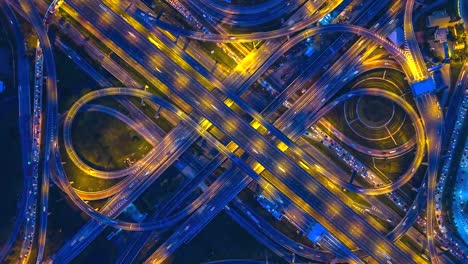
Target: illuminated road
(415, 57)
(249, 36)
(201, 101)
(402, 227)
(24, 106)
(133, 92)
(50, 136)
(244, 16)
(432, 117)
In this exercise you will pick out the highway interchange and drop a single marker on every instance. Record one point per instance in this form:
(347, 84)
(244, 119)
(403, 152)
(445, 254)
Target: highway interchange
(265, 148)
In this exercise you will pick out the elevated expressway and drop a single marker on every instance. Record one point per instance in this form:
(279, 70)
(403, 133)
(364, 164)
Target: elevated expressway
(270, 165)
(408, 66)
(50, 128)
(129, 92)
(72, 112)
(431, 115)
(129, 122)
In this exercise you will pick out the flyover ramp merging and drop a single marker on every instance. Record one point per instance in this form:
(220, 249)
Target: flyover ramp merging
(433, 123)
(137, 241)
(50, 119)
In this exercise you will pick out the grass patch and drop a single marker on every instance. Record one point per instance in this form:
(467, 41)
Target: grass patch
(105, 142)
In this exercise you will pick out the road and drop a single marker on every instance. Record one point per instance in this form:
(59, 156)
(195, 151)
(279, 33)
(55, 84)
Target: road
(231, 38)
(457, 247)
(253, 231)
(243, 16)
(431, 114)
(50, 135)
